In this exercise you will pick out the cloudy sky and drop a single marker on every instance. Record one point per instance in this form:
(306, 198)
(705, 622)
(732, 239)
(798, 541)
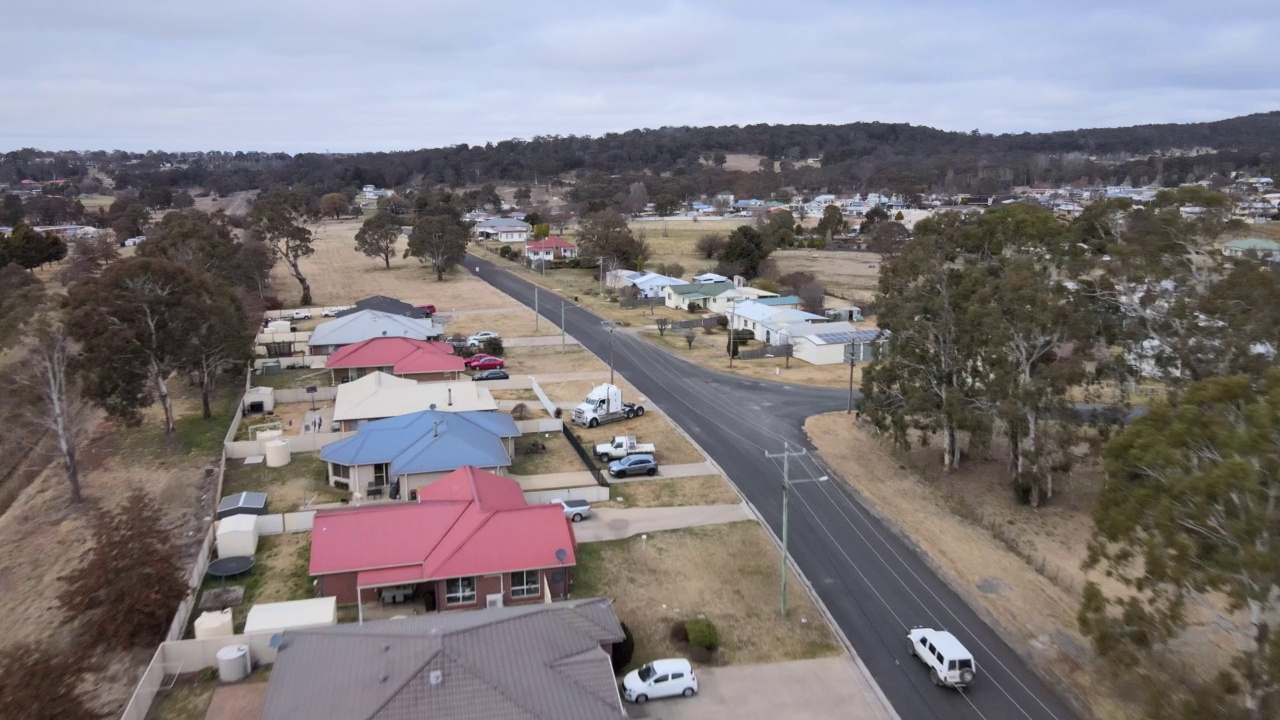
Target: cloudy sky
(397, 74)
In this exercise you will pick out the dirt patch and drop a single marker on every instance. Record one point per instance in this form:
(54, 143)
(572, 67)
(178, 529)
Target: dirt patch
(652, 427)
(728, 573)
(672, 492)
(708, 351)
(554, 455)
(553, 359)
(1034, 612)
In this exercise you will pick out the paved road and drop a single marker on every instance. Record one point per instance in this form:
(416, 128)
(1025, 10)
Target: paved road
(874, 586)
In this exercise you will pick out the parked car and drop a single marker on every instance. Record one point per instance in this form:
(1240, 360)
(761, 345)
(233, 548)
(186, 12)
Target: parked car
(634, 465)
(575, 510)
(467, 362)
(300, 315)
(427, 310)
(491, 375)
(949, 663)
(488, 363)
(478, 339)
(332, 312)
(659, 679)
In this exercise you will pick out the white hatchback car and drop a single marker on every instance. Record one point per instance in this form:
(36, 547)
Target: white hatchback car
(949, 662)
(659, 679)
(478, 339)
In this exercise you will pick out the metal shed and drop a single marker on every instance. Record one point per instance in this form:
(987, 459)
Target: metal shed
(245, 503)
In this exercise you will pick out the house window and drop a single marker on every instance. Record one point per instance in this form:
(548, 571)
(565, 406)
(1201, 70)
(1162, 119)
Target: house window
(380, 472)
(460, 591)
(524, 584)
(340, 471)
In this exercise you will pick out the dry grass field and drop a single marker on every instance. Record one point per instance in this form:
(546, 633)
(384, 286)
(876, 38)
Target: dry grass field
(727, 573)
(851, 274)
(708, 351)
(672, 492)
(1021, 565)
(556, 456)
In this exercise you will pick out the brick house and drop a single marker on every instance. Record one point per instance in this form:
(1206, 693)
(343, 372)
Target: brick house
(421, 360)
(553, 247)
(470, 541)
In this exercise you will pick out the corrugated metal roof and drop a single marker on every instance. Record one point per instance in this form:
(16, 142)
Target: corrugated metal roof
(534, 661)
(429, 441)
(379, 395)
(403, 355)
(784, 300)
(368, 324)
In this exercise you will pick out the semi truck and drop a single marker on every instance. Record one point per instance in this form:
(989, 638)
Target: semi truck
(622, 446)
(604, 405)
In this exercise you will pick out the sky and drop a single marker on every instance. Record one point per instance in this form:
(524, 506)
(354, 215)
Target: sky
(322, 75)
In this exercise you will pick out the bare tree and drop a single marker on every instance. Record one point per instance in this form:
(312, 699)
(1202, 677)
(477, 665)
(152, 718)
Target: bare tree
(689, 337)
(662, 324)
(61, 410)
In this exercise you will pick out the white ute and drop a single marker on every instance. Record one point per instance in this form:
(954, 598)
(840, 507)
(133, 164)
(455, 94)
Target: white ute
(622, 446)
(949, 663)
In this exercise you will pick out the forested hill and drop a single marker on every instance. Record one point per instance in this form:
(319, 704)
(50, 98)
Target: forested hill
(857, 156)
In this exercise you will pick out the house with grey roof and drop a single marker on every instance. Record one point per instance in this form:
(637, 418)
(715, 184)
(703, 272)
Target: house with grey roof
(397, 455)
(825, 343)
(366, 325)
(529, 662)
(384, 304)
(767, 322)
(505, 230)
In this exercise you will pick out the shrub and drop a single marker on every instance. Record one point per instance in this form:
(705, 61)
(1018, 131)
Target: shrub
(520, 411)
(623, 651)
(492, 346)
(504, 251)
(702, 633)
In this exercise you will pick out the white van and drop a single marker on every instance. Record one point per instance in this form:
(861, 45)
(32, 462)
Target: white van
(659, 679)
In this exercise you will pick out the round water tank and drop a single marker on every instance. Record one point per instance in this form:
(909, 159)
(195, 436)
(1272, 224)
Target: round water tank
(214, 624)
(277, 453)
(233, 663)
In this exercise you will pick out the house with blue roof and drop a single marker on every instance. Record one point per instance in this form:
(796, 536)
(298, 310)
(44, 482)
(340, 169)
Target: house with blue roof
(396, 456)
(768, 323)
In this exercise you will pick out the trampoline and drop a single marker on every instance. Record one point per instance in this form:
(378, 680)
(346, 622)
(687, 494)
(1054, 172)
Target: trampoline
(229, 567)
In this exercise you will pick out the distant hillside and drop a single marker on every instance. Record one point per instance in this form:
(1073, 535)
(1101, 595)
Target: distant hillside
(858, 156)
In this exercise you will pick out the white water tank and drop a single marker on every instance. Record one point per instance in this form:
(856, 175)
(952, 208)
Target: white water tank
(277, 452)
(213, 624)
(233, 663)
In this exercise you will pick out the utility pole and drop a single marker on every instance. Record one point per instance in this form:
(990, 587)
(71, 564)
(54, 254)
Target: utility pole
(610, 353)
(786, 494)
(601, 258)
(535, 309)
(562, 304)
(733, 335)
(848, 358)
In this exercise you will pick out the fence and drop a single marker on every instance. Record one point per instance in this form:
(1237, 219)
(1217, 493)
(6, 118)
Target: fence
(538, 426)
(310, 442)
(281, 523)
(765, 351)
(542, 397)
(709, 321)
(644, 302)
(300, 395)
(585, 456)
(184, 656)
(590, 494)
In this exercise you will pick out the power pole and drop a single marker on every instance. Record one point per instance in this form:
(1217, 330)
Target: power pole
(786, 494)
(848, 358)
(535, 309)
(733, 335)
(601, 258)
(562, 304)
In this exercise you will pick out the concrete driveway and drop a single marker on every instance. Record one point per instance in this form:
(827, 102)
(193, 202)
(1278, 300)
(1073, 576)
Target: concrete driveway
(800, 690)
(616, 524)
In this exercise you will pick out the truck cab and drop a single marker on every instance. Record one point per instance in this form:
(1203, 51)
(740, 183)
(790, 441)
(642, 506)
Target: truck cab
(604, 404)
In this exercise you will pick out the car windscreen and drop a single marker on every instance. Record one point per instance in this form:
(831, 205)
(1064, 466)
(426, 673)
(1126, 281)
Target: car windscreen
(966, 664)
(646, 672)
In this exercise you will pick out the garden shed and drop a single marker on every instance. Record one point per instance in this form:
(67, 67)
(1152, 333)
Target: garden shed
(245, 503)
(237, 536)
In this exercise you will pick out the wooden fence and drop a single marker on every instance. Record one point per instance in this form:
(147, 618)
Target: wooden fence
(765, 351)
(709, 321)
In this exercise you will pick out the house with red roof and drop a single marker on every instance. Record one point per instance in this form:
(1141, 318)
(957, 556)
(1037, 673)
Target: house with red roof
(421, 360)
(552, 247)
(471, 540)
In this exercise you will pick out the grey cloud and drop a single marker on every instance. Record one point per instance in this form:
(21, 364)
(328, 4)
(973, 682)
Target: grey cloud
(396, 74)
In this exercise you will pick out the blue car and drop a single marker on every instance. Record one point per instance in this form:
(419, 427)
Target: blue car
(634, 465)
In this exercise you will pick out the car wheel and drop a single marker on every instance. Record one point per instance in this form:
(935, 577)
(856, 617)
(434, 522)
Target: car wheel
(688, 692)
(604, 458)
(651, 472)
(642, 699)
(639, 411)
(577, 517)
(933, 676)
(628, 414)
(593, 423)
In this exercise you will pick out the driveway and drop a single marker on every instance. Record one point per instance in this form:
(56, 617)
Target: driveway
(616, 523)
(800, 690)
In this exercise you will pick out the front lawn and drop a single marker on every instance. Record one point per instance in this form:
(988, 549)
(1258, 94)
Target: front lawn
(728, 573)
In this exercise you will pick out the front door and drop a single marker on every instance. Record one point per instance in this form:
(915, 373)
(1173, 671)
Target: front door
(430, 595)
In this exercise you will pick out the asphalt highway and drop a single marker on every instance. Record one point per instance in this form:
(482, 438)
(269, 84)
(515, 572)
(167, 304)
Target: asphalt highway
(874, 586)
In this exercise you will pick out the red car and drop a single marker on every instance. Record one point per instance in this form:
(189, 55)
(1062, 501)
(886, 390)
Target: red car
(427, 310)
(487, 362)
(467, 362)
